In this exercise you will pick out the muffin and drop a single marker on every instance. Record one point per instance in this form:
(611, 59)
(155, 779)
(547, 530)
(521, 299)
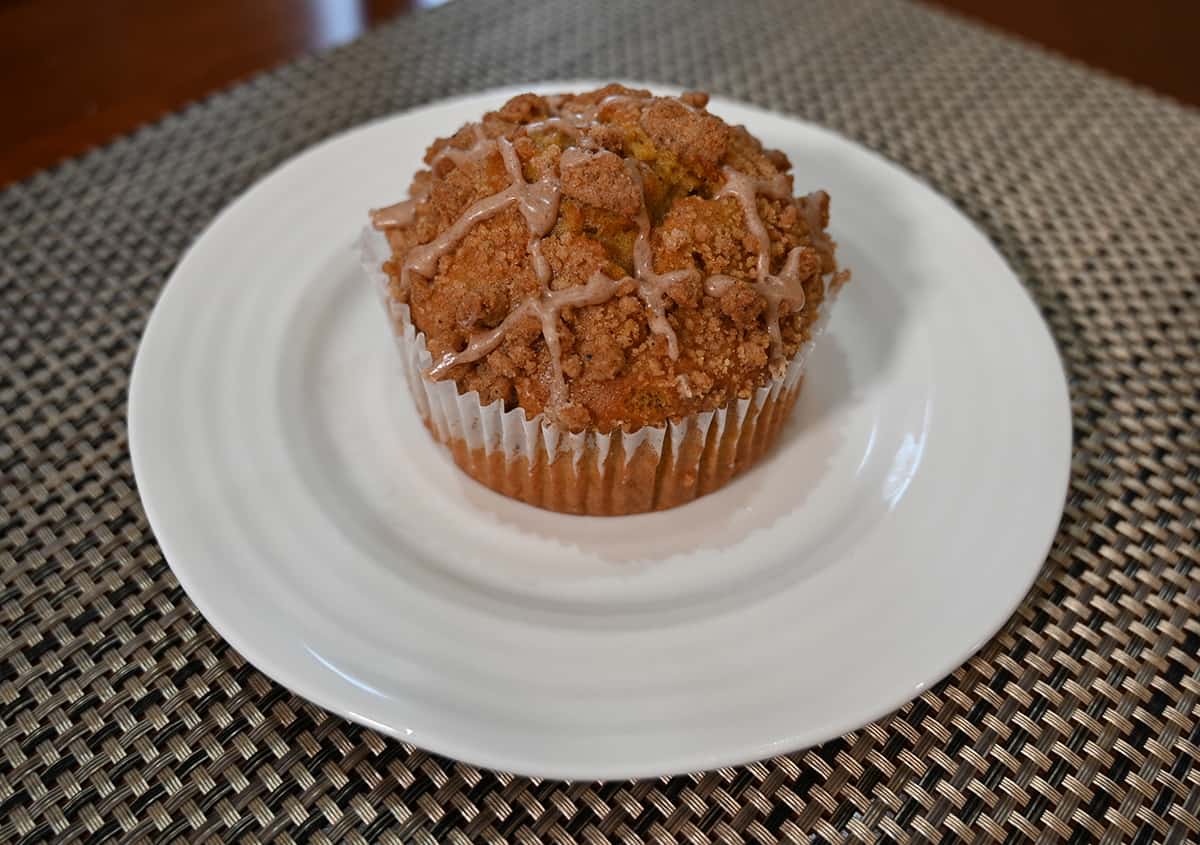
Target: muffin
(603, 301)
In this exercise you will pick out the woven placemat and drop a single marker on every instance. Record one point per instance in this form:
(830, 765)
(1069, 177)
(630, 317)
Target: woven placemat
(124, 717)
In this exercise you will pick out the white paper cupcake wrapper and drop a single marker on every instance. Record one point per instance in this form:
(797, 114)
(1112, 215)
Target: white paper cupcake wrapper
(497, 446)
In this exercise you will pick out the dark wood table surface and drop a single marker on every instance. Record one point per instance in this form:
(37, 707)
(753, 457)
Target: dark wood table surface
(76, 73)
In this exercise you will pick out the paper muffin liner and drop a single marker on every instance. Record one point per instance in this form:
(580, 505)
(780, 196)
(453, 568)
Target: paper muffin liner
(536, 461)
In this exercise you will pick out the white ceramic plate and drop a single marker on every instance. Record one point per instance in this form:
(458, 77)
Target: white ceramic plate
(311, 519)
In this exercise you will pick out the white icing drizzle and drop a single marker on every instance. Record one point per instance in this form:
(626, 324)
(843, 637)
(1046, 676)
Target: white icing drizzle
(482, 147)
(652, 285)
(562, 124)
(574, 123)
(400, 214)
(787, 286)
(547, 305)
(813, 203)
(717, 284)
(538, 203)
(573, 157)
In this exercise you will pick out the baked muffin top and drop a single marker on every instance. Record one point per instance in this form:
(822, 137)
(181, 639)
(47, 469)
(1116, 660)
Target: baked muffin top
(611, 259)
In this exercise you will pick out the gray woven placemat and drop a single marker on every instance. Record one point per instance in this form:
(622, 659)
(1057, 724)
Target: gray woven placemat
(124, 717)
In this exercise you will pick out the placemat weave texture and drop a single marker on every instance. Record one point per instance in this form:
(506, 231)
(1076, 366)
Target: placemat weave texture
(124, 717)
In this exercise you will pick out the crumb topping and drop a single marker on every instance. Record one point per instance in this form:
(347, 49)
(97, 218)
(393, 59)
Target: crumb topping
(611, 259)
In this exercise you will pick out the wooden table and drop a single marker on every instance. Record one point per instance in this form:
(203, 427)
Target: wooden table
(76, 73)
